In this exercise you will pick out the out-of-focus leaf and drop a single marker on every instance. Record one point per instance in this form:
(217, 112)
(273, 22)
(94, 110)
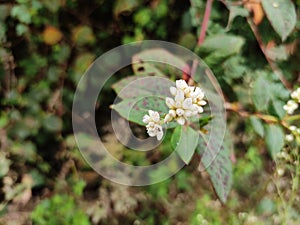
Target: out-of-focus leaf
(134, 109)
(52, 123)
(184, 141)
(159, 55)
(4, 11)
(82, 63)
(53, 5)
(274, 139)
(276, 108)
(278, 53)
(257, 125)
(220, 46)
(83, 35)
(188, 40)
(21, 12)
(282, 16)
(51, 35)
(142, 86)
(235, 11)
(125, 6)
(218, 164)
(261, 93)
(4, 165)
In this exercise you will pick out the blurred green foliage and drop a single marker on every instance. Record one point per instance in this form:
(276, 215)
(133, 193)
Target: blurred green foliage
(45, 47)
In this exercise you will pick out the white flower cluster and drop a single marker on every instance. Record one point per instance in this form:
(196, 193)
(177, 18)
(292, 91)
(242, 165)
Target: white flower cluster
(188, 101)
(292, 105)
(294, 133)
(153, 124)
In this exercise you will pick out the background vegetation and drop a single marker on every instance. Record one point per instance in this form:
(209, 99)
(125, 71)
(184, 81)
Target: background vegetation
(46, 45)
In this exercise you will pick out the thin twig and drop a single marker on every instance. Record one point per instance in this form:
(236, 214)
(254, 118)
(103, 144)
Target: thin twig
(205, 22)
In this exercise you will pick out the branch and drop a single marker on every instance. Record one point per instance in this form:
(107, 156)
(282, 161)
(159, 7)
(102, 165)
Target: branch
(205, 22)
(273, 65)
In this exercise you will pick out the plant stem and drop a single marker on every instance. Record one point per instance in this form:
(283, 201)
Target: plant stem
(273, 65)
(205, 22)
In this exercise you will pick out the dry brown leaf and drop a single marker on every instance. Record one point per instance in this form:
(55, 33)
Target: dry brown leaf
(256, 9)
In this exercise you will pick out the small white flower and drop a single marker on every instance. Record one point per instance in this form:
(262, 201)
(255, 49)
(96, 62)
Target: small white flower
(153, 126)
(170, 102)
(292, 128)
(187, 102)
(180, 112)
(154, 116)
(180, 120)
(172, 113)
(296, 95)
(179, 96)
(181, 84)
(168, 118)
(173, 91)
(289, 137)
(290, 107)
(280, 171)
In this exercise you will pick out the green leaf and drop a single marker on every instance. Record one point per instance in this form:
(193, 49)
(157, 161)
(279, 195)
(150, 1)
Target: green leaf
(282, 16)
(261, 94)
(124, 6)
(142, 86)
(235, 11)
(52, 123)
(257, 125)
(134, 109)
(156, 62)
(274, 139)
(222, 45)
(4, 165)
(278, 53)
(185, 140)
(217, 163)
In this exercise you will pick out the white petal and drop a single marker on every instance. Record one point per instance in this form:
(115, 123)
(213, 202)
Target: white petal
(146, 119)
(151, 133)
(200, 109)
(170, 102)
(167, 118)
(173, 91)
(159, 135)
(154, 116)
(188, 113)
(172, 113)
(181, 84)
(202, 102)
(181, 120)
(187, 103)
(179, 96)
(179, 112)
(178, 104)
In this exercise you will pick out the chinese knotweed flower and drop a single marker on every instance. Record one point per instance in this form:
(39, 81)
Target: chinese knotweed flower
(153, 124)
(188, 101)
(292, 105)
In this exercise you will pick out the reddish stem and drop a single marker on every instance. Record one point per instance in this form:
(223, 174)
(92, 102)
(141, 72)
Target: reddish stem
(205, 22)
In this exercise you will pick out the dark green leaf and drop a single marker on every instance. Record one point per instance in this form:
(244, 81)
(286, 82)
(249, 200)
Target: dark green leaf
(184, 141)
(282, 16)
(218, 164)
(143, 86)
(274, 139)
(134, 109)
(257, 125)
(261, 94)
